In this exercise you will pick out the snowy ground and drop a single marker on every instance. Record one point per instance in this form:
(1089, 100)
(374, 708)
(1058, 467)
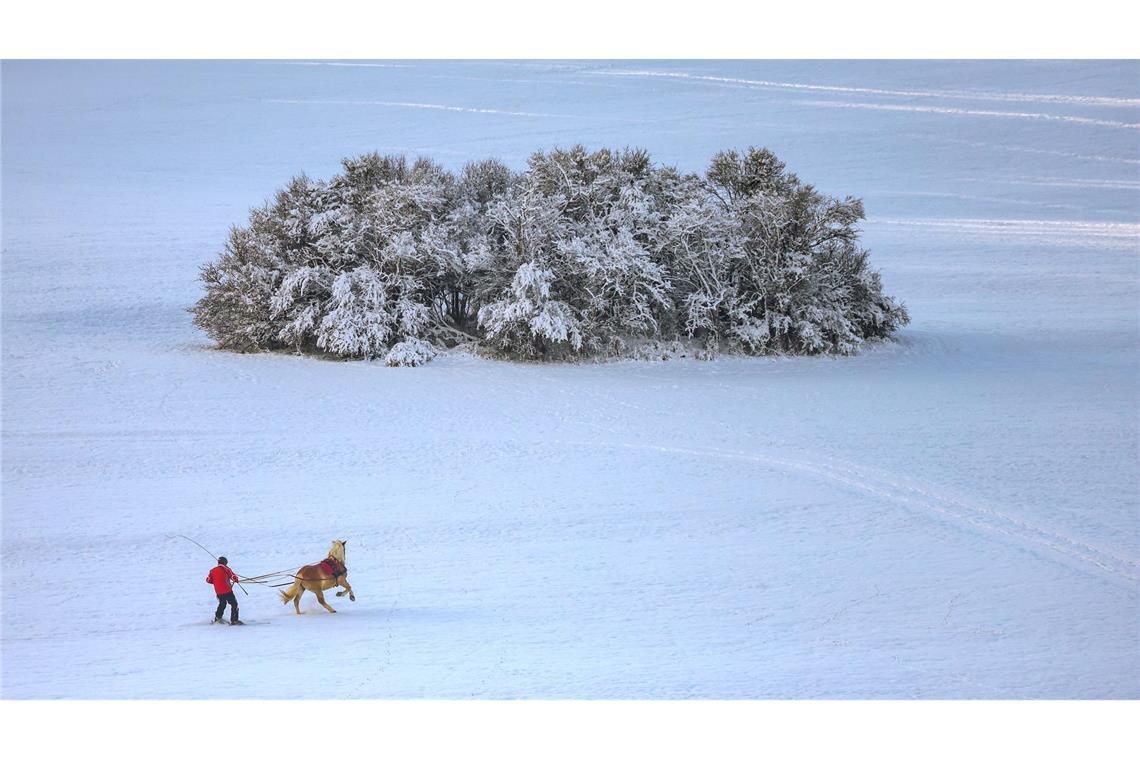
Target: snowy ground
(954, 515)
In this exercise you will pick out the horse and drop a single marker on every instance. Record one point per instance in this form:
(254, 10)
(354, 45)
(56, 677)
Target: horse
(329, 573)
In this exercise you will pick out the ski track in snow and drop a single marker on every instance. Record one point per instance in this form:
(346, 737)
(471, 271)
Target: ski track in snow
(944, 110)
(1124, 160)
(1081, 234)
(342, 64)
(924, 499)
(1017, 97)
(1132, 186)
(427, 106)
(979, 95)
(984, 198)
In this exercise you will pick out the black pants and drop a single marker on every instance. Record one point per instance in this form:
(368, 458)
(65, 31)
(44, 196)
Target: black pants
(222, 599)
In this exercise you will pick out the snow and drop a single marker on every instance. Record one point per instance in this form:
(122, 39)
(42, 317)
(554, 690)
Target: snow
(953, 515)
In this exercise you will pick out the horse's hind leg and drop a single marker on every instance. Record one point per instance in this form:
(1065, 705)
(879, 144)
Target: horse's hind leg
(321, 598)
(297, 598)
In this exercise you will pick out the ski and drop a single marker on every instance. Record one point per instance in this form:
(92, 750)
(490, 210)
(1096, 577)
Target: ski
(240, 622)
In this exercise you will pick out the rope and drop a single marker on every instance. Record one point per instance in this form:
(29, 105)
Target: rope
(264, 578)
(270, 576)
(267, 581)
(214, 557)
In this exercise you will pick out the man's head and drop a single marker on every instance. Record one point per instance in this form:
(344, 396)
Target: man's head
(223, 561)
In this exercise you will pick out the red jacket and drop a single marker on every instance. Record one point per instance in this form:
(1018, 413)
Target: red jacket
(221, 576)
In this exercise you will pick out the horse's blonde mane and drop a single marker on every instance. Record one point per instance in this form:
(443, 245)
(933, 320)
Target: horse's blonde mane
(336, 551)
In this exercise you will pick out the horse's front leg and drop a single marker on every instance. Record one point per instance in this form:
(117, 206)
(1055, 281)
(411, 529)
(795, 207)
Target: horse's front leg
(347, 588)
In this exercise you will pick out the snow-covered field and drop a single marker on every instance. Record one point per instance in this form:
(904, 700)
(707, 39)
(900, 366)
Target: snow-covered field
(953, 515)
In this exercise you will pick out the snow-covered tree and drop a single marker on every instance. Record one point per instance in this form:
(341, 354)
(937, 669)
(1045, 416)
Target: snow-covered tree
(480, 185)
(236, 310)
(240, 309)
(351, 266)
(587, 222)
(527, 322)
(523, 312)
(410, 353)
(583, 253)
(696, 242)
(801, 281)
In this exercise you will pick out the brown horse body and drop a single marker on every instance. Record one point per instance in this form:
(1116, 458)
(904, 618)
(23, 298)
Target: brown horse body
(318, 579)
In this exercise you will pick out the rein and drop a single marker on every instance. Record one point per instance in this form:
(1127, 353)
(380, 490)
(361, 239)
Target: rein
(267, 579)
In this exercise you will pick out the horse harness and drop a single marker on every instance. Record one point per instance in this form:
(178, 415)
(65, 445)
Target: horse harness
(333, 567)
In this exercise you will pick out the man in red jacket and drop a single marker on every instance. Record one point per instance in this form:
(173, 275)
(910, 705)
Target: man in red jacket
(224, 579)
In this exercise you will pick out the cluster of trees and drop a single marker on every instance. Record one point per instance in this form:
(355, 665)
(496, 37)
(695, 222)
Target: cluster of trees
(583, 253)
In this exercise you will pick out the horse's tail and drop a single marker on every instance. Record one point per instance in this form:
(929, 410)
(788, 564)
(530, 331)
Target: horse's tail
(288, 594)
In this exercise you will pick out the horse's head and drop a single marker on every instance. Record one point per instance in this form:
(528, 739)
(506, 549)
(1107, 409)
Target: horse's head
(337, 550)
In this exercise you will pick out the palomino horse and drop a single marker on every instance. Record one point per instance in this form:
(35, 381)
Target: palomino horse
(318, 578)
